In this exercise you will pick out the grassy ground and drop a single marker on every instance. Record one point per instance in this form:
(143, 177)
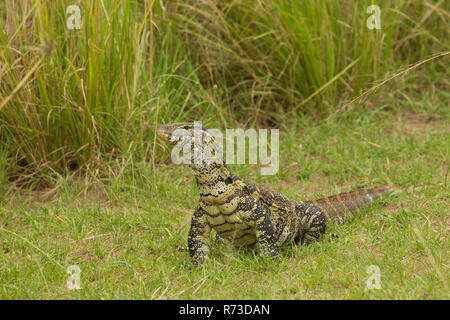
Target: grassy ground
(85, 182)
(123, 233)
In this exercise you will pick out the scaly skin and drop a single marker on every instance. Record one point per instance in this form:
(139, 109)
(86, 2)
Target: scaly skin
(249, 215)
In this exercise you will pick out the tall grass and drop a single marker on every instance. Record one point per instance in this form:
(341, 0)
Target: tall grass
(97, 92)
(288, 56)
(76, 99)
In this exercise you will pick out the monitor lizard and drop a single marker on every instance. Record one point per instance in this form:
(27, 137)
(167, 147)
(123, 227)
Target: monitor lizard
(250, 215)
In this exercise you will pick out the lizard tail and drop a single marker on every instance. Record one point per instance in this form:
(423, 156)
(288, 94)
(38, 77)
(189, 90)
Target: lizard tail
(344, 206)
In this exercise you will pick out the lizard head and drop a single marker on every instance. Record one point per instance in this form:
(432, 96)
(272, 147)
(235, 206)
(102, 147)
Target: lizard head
(204, 155)
(173, 133)
(189, 136)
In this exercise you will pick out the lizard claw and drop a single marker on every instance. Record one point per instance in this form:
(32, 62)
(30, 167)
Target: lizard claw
(272, 251)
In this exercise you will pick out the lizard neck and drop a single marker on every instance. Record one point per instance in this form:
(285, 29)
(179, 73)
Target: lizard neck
(214, 181)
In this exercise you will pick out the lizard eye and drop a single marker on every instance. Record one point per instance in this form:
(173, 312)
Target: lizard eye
(186, 127)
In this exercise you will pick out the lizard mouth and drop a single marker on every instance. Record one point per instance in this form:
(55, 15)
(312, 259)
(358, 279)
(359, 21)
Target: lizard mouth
(162, 134)
(168, 132)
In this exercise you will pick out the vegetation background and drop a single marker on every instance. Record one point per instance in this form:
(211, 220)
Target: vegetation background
(84, 181)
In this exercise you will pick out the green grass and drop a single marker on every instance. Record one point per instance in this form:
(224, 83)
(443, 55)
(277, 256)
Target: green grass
(84, 181)
(72, 99)
(124, 232)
